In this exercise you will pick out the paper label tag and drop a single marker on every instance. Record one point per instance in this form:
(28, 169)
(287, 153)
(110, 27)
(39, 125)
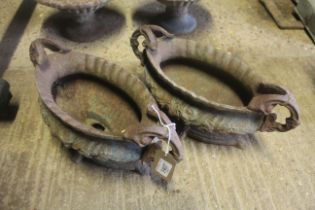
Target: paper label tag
(163, 166)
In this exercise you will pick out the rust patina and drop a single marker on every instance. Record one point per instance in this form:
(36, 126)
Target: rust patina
(207, 120)
(113, 148)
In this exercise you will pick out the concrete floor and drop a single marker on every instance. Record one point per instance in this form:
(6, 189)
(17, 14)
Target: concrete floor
(278, 172)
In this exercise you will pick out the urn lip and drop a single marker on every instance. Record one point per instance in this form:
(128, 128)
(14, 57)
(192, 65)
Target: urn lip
(176, 2)
(73, 4)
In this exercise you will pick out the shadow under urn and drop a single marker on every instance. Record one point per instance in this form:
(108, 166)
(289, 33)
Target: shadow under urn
(205, 119)
(84, 24)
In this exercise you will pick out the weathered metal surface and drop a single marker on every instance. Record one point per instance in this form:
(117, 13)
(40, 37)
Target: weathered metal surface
(274, 172)
(84, 26)
(207, 120)
(80, 122)
(176, 18)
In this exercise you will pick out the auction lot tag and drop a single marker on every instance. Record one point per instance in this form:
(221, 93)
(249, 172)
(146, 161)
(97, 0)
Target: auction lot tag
(163, 166)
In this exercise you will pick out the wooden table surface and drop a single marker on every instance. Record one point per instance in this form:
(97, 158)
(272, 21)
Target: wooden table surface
(276, 171)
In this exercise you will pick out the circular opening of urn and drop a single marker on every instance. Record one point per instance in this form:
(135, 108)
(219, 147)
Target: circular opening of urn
(98, 126)
(207, 81)
(95, 103)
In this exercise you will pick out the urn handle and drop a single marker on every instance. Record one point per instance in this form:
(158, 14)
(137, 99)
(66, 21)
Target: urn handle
(269, 96)
(37, 51)
(150, 33)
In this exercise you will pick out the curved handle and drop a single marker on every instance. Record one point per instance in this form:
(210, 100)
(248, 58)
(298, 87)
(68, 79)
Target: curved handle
(266, 102)
(148, 132)
(150, 34)
(37, 50)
